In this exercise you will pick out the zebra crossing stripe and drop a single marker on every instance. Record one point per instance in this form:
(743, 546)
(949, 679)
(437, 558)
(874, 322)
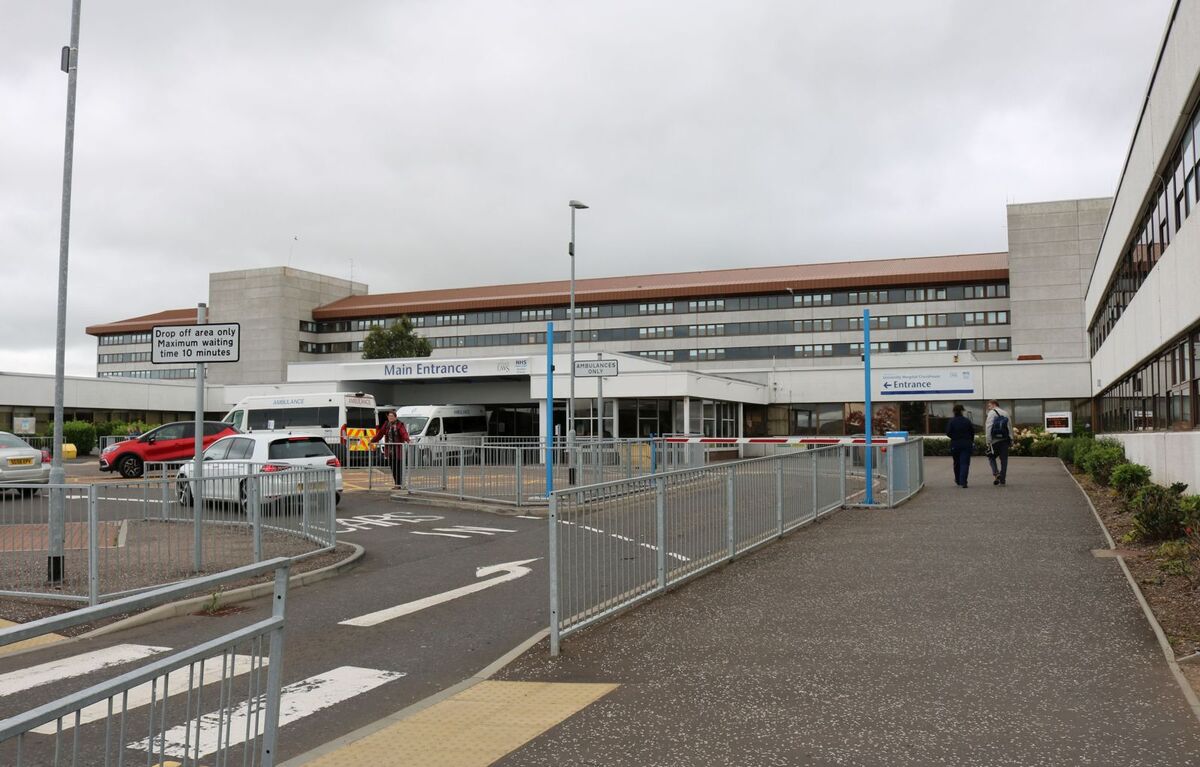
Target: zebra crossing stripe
(301, 699)
(144, 693)
(76, 665)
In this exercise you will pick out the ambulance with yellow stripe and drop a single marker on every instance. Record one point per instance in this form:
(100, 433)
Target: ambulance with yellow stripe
(345, 420)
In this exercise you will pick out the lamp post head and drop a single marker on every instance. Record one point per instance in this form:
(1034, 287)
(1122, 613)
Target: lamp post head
(577, 205)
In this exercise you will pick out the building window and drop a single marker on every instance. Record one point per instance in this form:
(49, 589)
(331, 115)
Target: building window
(539, 315)
(867, 297)
(665, 331)
(696, 355)
(711, 305)
(656, 308)
(814, 350)
(814, 326)
(661, 356)
(812, 299)
(706, 330)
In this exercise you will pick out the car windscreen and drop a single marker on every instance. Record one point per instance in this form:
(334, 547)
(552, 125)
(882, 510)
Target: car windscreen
(298, 447)
(8, 440)
(414, 423)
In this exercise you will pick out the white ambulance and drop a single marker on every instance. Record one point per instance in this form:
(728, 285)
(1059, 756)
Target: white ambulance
(455, 424)
(329, 416)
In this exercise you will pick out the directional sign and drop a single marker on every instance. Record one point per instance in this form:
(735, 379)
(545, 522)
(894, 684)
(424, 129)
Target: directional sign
(510, 571)
(196, 343)
(595, 368)
(915, 382)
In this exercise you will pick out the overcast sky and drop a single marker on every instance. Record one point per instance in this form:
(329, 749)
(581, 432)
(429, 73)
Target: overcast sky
(435, 144)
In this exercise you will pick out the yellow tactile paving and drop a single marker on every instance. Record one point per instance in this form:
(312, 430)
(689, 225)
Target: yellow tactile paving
(471, 729)
(44, 639)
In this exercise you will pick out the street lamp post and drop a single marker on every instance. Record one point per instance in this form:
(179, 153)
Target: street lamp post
(575, 205)
(55, 558)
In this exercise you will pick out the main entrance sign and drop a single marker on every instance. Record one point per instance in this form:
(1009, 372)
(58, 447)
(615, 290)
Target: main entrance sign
(429, 369)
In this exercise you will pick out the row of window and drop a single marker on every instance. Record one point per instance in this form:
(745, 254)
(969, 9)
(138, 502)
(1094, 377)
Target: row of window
(108, 359)
(1160, 394)
(834, 419)
(649, 308)
(1177, 195)
(162, 374)
(766, 327)
(805, 351)
(125, 338)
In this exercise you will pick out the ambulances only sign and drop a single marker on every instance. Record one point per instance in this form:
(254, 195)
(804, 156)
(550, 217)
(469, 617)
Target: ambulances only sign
(195, 343)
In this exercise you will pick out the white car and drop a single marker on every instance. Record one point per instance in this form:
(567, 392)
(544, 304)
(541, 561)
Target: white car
(277, 457)
(22, 464)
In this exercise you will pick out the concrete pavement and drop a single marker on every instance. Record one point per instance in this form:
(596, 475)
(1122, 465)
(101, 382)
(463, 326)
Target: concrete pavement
(969, 627)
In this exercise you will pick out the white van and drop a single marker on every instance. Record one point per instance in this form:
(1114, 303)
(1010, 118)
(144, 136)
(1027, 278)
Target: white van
(319, 415)
(461, 424)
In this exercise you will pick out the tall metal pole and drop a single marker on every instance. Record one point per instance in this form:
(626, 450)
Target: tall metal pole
(198, 461)
(70, 64)
(549, 410)
(571, 394)
(867, 415)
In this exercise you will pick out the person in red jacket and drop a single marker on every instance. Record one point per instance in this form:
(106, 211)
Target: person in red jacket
(393, 433)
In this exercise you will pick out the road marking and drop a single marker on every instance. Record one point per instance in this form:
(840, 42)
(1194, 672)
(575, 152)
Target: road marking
(510, 571)
(526, 516)
(444, 535)
(620, 537)
(389, 519)
(37, 641)
(143, 694)
(76, 665)
(299, 700)
(474, 529)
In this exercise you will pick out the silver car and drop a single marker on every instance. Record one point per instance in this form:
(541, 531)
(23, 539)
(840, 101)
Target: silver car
(22, 464)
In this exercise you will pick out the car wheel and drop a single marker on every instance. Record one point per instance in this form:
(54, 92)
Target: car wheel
(185, 492)
(130, 466)
(337, 498)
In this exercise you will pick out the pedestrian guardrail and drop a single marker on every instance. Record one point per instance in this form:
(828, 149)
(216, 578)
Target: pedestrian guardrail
(121, 537)
(615, 544)
(214, 703)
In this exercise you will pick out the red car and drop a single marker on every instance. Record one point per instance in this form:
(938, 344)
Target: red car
(169, 442)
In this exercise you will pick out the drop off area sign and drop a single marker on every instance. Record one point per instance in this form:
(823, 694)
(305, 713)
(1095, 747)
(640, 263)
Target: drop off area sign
(196, 343)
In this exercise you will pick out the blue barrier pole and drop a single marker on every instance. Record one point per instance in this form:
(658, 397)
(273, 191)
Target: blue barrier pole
(549, 408)
(867, 422)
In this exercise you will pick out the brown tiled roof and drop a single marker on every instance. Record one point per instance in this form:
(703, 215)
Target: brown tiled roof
(145, 322)
(714, 283)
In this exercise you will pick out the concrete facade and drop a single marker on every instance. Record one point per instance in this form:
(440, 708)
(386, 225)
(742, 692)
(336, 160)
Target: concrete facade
(1173, 456)
(1052, 250)
(270, 304)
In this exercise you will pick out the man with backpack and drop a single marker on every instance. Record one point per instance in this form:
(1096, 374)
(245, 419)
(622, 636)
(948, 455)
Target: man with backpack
(997, 432)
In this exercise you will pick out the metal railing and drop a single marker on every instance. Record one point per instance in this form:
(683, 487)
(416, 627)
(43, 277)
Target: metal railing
(517, 474)
(132, 535)
(215, 703)
(615, 544)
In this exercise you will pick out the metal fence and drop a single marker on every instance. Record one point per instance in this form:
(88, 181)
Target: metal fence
(126, 536)
(614, 544)
(517, 474)
(217, 703)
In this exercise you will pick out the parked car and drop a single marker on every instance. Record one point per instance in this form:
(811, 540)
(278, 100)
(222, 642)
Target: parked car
(280, 456)
(169, 442)
(21, 464)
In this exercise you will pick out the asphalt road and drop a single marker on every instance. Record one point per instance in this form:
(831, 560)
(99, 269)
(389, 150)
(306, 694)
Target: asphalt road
(412, 553)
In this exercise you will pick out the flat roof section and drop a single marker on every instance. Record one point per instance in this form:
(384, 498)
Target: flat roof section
(715, 282)
(145, 322)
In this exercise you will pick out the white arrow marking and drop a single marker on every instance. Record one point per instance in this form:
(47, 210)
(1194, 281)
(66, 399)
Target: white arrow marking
(474, 529)
(76, 665)
(227, 728)
(142, 695)
(444, 535)
(510, 572)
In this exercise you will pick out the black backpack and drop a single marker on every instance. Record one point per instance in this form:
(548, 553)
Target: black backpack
(1000, 428)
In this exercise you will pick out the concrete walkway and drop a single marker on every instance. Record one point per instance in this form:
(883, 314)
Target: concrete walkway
(969, 627)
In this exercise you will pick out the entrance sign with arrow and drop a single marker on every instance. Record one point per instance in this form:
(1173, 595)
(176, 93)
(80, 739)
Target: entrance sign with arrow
(918, 383)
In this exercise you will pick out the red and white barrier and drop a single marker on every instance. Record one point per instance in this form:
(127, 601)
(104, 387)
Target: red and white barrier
(782, 440)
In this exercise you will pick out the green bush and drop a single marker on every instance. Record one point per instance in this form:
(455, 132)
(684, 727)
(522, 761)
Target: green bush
(937, 446)
(1066, 449)
(1101, 459)
(81, 434)
(1190, 505)
(1045, 446)
(1128, 478)
(1157, 513)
